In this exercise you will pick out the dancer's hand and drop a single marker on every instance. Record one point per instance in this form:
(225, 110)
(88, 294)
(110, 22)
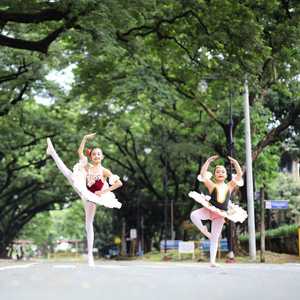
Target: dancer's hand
(207, 182)
(232, 160)
(82, 145)
(212, 158)
(236, 180)
(89, 136)
(100, 193)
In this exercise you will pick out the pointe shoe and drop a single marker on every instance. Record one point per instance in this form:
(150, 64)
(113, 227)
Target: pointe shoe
(50, 147)
(91, 262)
(214, 265)
(206, 232)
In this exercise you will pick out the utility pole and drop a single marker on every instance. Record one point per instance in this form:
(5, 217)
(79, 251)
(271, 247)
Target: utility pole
(250, 198)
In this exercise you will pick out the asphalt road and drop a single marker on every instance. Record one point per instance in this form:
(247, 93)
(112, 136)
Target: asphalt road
(144, 280)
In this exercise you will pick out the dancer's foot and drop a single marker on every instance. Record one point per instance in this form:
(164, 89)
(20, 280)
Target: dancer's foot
(91, 262)
(214, 265)
(205, 231)
(50, 147)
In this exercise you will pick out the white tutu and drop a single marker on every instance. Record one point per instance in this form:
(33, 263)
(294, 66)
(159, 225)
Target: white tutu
(77, 179)
(234, 213)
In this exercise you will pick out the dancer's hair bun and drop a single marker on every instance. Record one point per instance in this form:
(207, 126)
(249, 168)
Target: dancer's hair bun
(88, 152)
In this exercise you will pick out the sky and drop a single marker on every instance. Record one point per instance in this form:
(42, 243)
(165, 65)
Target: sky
(63, 78)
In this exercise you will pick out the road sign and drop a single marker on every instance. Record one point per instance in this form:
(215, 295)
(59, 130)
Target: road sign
(186, 247)
(277, 204)
(169, 244)
(133, 234)
(205, 245)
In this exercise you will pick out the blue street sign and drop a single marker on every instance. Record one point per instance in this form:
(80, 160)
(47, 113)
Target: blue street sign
(277, 204)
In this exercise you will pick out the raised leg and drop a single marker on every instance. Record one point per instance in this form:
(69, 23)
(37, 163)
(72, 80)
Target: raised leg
(197, 216)
(60, 164)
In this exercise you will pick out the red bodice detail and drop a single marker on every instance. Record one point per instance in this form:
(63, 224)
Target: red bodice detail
(97, 186)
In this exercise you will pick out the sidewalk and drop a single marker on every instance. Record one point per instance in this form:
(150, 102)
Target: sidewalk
(270, 258)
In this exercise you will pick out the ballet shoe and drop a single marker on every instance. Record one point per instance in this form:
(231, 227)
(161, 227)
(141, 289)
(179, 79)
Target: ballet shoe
(91, 262)
(206, 232)
(214, 265)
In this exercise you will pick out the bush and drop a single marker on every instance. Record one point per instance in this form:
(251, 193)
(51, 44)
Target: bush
(282, 231)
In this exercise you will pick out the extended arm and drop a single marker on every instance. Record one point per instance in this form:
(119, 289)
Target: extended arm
(203, 173)
(237, 180)
(82, 145)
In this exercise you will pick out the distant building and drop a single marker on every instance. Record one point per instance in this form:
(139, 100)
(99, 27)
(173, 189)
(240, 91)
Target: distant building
(290, 164)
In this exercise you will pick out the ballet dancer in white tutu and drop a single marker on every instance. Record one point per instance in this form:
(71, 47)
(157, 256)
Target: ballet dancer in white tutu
(217, 205)
(89, 180)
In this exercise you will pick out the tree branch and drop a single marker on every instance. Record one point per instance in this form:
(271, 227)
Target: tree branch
(44, 15)
(142, 168)
(154, 28)
(21, 70)
(7, 107)
(190, 95)
(40, 45)
(274, 134)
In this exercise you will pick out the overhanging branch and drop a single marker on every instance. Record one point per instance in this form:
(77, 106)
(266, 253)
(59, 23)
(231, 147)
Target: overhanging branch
(274, 134)
(49, 14)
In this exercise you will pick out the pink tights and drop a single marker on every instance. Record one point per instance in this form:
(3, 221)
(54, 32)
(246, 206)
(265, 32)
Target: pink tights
(216, 228)
(90, 210)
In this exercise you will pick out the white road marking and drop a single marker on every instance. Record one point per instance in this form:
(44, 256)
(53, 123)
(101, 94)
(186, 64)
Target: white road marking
(111, 266)
(155, 267)
(17, 267)
(64, 267)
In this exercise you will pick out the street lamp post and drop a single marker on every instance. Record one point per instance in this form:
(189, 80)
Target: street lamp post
(230, 148)
(250, 198)
(165, 186)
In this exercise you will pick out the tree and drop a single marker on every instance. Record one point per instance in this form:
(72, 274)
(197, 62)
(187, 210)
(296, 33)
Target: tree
(140, 72)
(28, 186)
(287, 187)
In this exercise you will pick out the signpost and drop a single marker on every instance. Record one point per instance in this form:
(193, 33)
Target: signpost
(186, 247)
(133, 236)
(277, 204)
(268, 204)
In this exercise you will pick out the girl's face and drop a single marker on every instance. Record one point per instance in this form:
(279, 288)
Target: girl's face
(96, 155)
(220, 173)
